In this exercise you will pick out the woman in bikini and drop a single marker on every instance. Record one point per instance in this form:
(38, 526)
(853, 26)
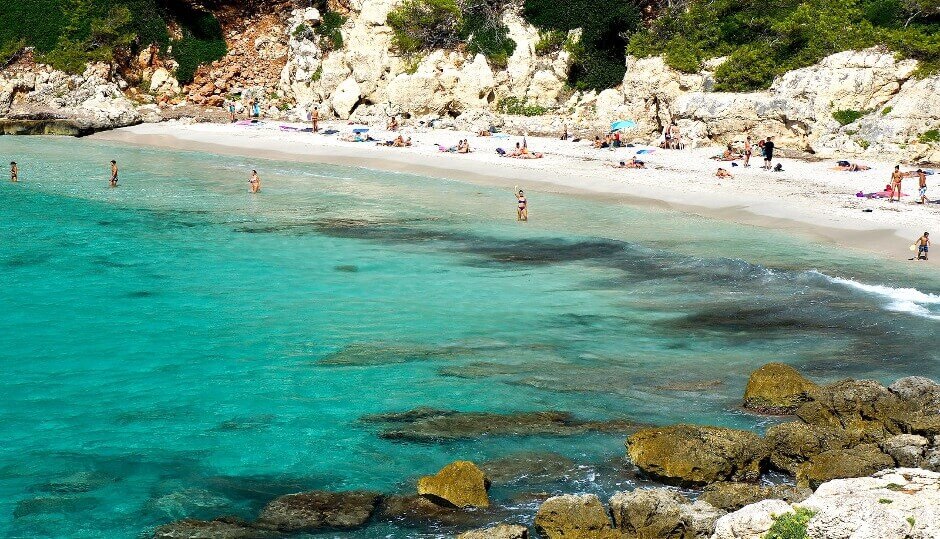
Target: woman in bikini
(522, 211)
(747, 151)
(254, 183)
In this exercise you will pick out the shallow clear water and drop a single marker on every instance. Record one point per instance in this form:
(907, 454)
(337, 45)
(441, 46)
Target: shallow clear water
(177, 347)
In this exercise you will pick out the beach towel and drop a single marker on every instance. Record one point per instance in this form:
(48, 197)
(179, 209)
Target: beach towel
(288, 128)
(641, 152)
(249, 122)
(307, 130)
(331, 131)
(500, 135)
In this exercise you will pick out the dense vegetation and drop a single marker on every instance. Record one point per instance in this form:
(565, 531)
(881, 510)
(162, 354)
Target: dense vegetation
(423, 25)
(765, 38)
(598, 57)
(70, 33)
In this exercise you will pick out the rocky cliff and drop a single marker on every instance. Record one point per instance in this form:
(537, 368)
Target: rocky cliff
(851, 103)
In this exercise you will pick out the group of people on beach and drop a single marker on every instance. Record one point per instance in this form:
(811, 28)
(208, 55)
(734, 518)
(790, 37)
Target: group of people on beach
(897, 177)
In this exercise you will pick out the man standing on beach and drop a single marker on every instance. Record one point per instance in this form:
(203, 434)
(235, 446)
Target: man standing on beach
(114, 173)
(768, 152)
(923, 244)
(896, 178)
(922, 185)
(315, 118)
(14, 172)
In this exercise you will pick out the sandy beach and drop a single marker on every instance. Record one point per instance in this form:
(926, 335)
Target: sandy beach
(809, 198)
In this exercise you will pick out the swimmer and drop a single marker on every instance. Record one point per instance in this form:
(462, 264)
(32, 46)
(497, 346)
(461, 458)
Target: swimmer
(522, 211)
(114, 173)
(14, 172)
(254, 182)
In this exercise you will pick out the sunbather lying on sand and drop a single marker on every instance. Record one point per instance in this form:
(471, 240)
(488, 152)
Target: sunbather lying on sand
(632, 163)
(722, 173)
(728, 155)
(845, 166)
(356, 137)
(524, 153)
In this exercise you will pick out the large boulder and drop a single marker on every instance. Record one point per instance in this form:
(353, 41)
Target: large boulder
(220, 528)
(319, 510)
(662, 513)
(574, 517)
(692, 454)
(419, 511)
(859, 461)
(346, 97)
(907, 450)
(864, 408)
(752, 521)
(791, 444)
(502, 531)
(733, 496)
(460, 483)
(776, 388)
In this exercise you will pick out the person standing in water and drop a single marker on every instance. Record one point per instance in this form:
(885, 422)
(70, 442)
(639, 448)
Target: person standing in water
(254, 183)
(522, 210)
(315, 118)
(14, 172)
(923, 244)
(896, 178)
(114, 173)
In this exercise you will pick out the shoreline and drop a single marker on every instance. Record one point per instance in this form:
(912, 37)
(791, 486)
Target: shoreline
(823, 209)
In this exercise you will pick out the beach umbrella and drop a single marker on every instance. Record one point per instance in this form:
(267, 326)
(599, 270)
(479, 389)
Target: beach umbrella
(361, 130)
(622, 124)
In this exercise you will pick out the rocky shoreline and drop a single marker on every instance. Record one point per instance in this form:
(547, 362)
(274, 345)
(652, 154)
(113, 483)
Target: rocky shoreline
(863, 461)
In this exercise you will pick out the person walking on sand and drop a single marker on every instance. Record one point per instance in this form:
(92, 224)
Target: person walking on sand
(923, 245)
(922, 185)
(231, 110)
(768, 153)
(14, 172)
(522, 210)
(747, 151)
(896, 177)
(315, 118)
(254, 182)
(114, 173)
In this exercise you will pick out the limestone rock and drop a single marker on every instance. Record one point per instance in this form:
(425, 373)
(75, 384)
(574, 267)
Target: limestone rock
(793, 443)
(574, 517)
(346, 98)
(864, 408)
(319, 510)
(752, 521)
(859, 461)
(691, 454)
(460, 483)
(662, 513)
(162, 82)
(913, 387)
(907, 450)
(220, 528)
(733, 496)
(502, 531)
(776, 388)
(419, 511)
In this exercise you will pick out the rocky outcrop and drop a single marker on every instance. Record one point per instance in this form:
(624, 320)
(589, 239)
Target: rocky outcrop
(733, 496)
(899, 503)
(503, 531)
(663, 514)
(319, 510)
(461, 484)
(776, 388)
(859, 461)
(36, 99)
(220, 528)
(574, 517)
(692, 454)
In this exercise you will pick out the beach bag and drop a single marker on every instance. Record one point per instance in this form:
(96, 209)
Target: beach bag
(500, 151)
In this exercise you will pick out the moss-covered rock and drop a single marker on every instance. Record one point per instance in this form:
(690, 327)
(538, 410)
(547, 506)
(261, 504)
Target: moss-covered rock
(791, 444)
(859, 461)
(776, 388)
(864, 408)
(733, 496)
(502, 531)
(319, 510)
(460, 483)
(220, 528)
(574, 517)
(696, 455)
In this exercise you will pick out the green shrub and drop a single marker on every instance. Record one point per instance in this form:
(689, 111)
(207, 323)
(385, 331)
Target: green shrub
(598, 57)
(845, 117)
(421, 25)
(790, 525)
(202, 43)
(745, 69)
(482, 28)
(885, 500)
(514, 105)
(930, 136)
(865, 144)
(330, 29)
(550, 41)
(682, 55)
(886, 111)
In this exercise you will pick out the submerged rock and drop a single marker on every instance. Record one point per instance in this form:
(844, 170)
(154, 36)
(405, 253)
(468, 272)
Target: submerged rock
(529, 467)
(776, 388)
(419, 511)
(502, 531)
(692, 454)
(319, 510)
(220, 528)
(450, 426)
(859, 461)
(574, 517)
(460, 483)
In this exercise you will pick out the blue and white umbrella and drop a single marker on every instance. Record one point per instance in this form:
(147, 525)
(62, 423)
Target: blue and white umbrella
(622, 124)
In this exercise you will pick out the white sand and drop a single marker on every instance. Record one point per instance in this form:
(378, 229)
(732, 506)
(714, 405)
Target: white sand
(808, 197)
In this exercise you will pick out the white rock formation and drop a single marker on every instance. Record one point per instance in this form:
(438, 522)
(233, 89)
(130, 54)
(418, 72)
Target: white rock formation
(751, 521)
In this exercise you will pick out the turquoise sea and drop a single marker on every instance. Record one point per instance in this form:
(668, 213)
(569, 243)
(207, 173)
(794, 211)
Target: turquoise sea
(177, 347)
